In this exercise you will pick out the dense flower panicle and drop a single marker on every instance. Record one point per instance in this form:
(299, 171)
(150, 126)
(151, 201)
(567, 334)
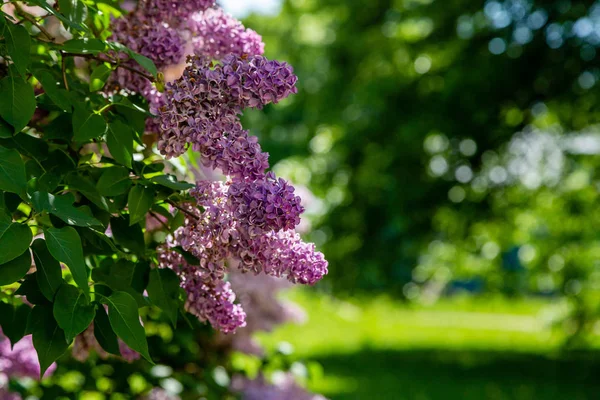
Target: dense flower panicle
(160, 43)
(204, 104)
(217, 34)
(20, 361)
(210, 299)
(265, 205)
(282, 254)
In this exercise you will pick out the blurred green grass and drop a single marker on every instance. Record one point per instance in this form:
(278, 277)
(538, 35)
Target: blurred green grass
(486, 348)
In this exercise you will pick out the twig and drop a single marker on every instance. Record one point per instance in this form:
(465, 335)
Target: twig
(64, 72)
(31, 19)
(181, 209)
(156, 217)
(112, 62)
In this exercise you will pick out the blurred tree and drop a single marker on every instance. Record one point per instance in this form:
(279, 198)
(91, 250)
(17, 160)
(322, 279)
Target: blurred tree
(401, 101)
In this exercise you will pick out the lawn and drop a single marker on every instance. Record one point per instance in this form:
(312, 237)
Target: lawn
(460, 349)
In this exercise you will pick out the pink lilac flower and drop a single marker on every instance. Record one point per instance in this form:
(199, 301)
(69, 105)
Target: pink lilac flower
(217, 34)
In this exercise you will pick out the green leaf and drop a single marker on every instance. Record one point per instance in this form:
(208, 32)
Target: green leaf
(48, 339)
(15, 269)
(114, 181)
(5, 219)
(74, 10)
(125, 321)
(99, 76)
(57, 95)
(163, 290)
(125, 276)
(6, 131)
(119, 140)
(145, 62)
(139, 202)
(84, 46)
(86, 187)
(30, 289)
(65, 246)
(17, 103)
(87, 125)
(171, 182)
(18, 44)
(13, 321)
(72, 311)
(44, 4)
(129, 236)
(106, 337)
(49, 273)
(14, 242)
(62, 207)
(12, 171)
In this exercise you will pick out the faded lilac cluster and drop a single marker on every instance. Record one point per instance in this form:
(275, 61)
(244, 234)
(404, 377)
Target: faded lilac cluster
(203, 106)
(21, 361)
(259, 296)
(209, 297)
(217, 34)
(284, 388)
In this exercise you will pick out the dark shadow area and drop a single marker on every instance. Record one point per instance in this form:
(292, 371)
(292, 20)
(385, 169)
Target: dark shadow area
(464, 375)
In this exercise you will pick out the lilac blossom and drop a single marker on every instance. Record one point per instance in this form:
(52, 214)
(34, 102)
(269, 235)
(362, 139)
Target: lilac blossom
(208, 297)
(204, 104)
(217, 34)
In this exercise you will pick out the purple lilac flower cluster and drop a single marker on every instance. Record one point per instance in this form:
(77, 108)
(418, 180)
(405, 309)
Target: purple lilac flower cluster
(217, 34)
(209, 297)
(165, 31)
(203, 106)
(248, 229)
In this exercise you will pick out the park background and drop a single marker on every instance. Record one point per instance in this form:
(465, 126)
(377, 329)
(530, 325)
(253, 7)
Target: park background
(447, 152)
(451, 149)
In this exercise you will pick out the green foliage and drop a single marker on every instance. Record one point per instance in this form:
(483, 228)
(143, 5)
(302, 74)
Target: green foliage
(68, 176)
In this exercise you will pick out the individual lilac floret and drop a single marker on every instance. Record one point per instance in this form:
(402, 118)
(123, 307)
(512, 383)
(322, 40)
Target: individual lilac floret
(282, 254)
(209, 299)
(204, 104)
(217, 34)
(265, 205)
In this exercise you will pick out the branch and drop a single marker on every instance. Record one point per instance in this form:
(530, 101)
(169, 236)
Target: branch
(31, 19)
(182, 209)
(110, 61)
